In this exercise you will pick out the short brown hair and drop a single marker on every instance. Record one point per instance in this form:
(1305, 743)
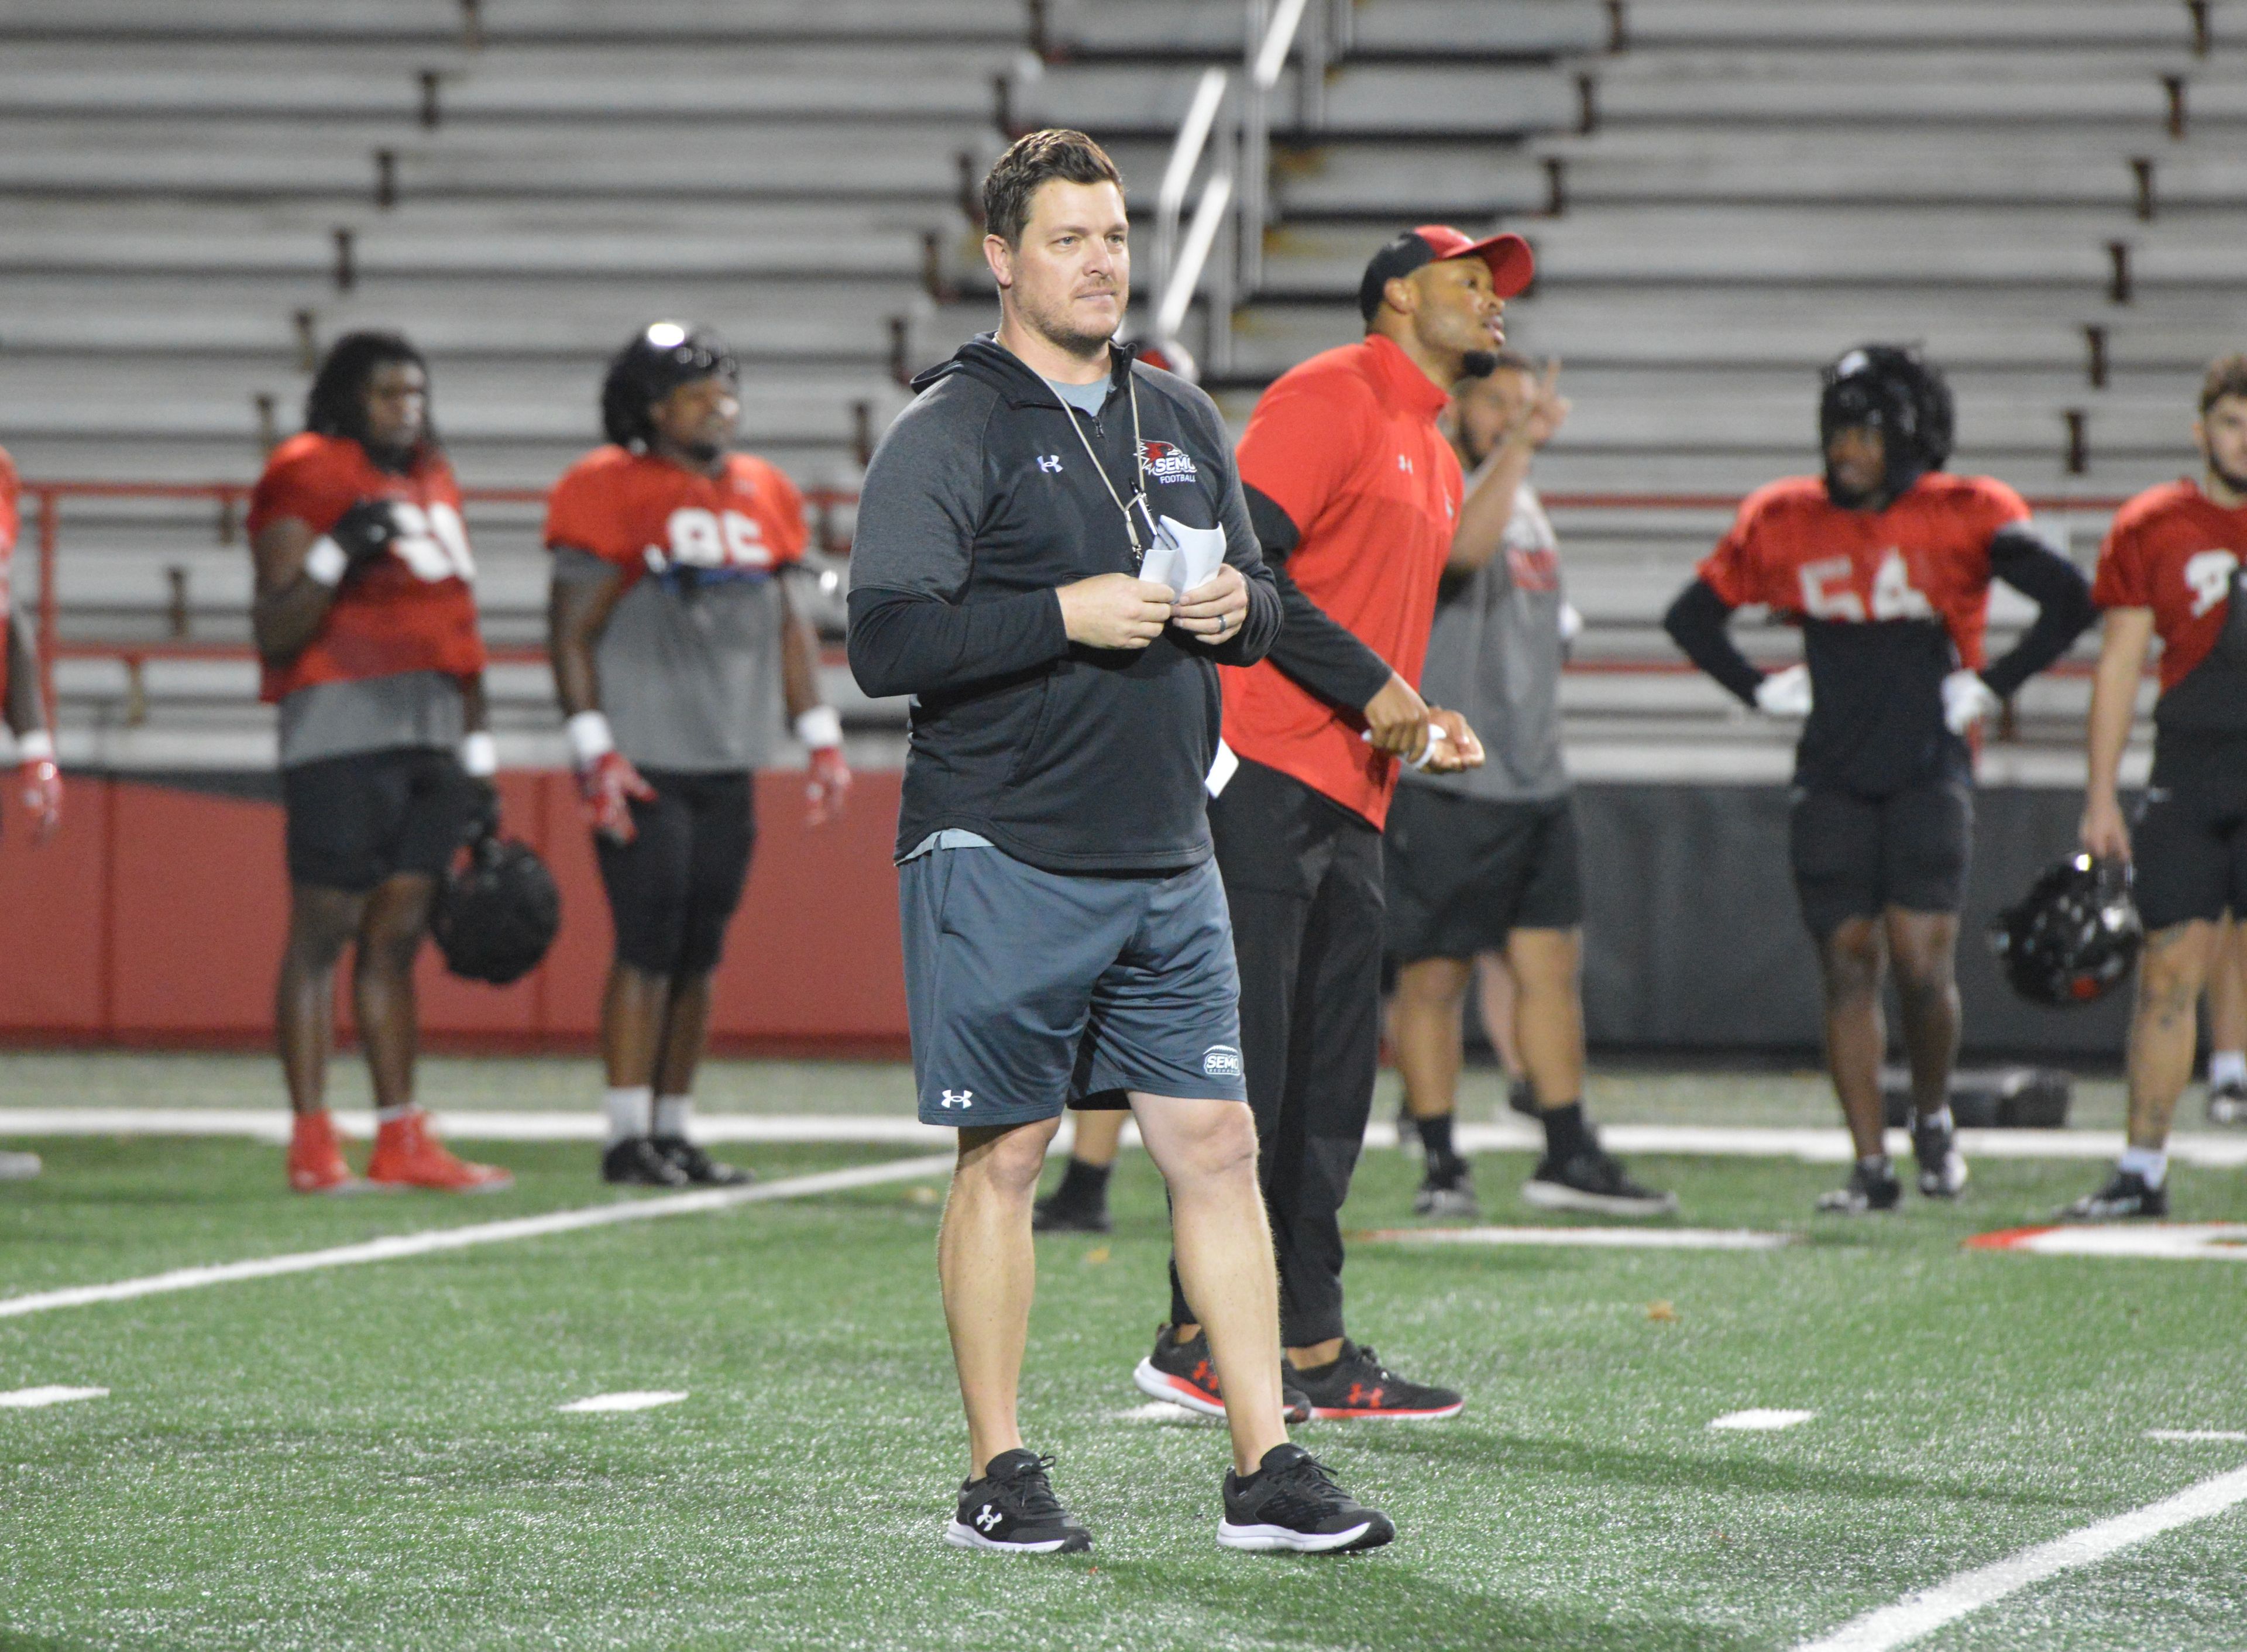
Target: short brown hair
(1015, 176)
(2227, 376)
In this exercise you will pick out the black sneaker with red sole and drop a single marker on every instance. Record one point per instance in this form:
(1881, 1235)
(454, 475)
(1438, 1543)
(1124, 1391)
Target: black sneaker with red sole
(1184, 1374)
(1357, 1386)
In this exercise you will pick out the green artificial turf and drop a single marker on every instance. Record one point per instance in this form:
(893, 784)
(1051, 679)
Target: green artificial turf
(371, 1457)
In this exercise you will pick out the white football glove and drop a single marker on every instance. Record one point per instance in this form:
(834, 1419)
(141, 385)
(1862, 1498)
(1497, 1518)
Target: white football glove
(1784, 693)
(1966, 700)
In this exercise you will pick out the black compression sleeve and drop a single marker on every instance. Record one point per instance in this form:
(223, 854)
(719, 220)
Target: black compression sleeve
(1313, 648)
(1695, 624)
(2058, 590)
(901, 643)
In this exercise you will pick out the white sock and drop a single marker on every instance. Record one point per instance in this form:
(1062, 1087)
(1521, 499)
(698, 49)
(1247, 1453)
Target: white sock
(1874, 1164)
(627, 1110)
(2150, 1163)
(1939, 1119)
(673, 1114)
(391, 1115)
(2227, 1067)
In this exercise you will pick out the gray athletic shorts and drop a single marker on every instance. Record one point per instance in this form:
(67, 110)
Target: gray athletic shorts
(1028, 990)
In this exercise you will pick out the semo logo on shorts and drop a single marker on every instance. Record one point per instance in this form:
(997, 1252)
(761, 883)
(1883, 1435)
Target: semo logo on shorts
(1221, 1060)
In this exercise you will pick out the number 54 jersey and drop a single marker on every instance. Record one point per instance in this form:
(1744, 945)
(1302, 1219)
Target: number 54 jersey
(412, 609)
(689, 661)
(1890, 603)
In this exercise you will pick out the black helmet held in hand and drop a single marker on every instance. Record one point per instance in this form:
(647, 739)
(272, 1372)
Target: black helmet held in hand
(496, 914)
(2073, 937)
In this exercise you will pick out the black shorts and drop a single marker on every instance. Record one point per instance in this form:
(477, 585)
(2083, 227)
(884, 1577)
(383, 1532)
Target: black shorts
(672, 889)
(358, 821)
(2188, 850)
(1854, 857)
(1462, 873)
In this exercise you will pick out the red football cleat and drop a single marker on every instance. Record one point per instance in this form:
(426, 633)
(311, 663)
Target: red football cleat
(316, 1159)
(406, 1155)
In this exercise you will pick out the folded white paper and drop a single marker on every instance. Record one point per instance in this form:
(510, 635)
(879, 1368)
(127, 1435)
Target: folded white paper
(1222, 769)
(1182, 557)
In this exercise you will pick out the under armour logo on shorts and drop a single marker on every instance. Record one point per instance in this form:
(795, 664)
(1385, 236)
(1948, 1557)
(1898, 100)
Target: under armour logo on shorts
(958, 1098)
(1221, 1060)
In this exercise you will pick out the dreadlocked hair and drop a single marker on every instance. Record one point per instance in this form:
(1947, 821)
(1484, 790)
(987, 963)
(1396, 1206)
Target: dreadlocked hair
(336, 404)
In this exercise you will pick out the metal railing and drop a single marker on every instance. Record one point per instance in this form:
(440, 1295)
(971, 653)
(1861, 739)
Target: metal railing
(1234, 133)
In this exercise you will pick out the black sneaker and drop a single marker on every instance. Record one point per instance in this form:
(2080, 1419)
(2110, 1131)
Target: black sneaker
(2227, 1104)
(1184, 1374)
(697, 1167)
(1448, 1192)
(2125, 1195)
(1062, 1211)
(1358, 1385)
(636, 1162)
(1292, 1503)
(1942, 1167)
(1879, 1189)
(1012, 1510)
(1522, 1097)
(1591, 1180)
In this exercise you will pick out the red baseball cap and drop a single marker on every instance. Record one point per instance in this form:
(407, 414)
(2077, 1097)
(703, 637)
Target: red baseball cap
(1508, 256)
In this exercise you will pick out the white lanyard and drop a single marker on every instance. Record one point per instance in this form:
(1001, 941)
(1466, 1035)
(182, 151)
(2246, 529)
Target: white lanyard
(1139, 454)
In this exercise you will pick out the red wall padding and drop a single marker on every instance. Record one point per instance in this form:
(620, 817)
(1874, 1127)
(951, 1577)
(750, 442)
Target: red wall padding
(155, 916)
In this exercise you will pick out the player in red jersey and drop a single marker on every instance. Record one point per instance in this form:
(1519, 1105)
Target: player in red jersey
(670, 625)
(2175, 566)
(40, 782)
(1885, 563)
(366, 621)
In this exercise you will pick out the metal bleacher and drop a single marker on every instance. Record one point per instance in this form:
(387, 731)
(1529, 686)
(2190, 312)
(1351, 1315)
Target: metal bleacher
(1723, 194)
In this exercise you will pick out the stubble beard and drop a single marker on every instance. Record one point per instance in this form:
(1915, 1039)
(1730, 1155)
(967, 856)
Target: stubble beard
(1053, 326)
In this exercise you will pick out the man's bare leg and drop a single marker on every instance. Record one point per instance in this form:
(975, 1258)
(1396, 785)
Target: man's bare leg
(988, 1266)
(1494, 997)
(1425, 1028)
(2164, 1027)
(321, 922)
(1923, 947)
(1207, 1151)
(391, 928)
(1851, 961)
(2227, 1023)
(1548, 1011)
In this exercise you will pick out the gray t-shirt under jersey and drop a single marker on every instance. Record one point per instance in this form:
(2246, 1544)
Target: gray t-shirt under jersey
(1494, 657)
(409, 709)
(689, 665)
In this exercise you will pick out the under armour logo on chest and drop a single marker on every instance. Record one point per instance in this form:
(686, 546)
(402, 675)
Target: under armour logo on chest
(1403, 464)
(1050, 463)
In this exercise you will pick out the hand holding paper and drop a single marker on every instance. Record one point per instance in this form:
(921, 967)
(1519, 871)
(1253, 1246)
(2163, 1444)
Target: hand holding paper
(1213, 597)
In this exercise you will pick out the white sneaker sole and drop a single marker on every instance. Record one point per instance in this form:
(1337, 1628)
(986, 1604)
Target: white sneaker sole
(966, 1537)
(1163, 1386)
(1950, 1184)
(1552, 1196)
(1266, 1539)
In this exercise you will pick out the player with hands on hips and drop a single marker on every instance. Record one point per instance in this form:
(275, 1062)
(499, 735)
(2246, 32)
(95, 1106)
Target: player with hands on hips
(2174, 566)
(39, 783)
(365, 618)
(1885, 563)
(670, 624)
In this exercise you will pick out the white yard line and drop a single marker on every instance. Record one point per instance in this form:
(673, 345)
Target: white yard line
(2196, 1433)
(27, 1399)
(2155, 1241)
(636, 1399)
(430, 1240)
(1604, 1238)
(1928, 1610)
(1761, 1420)
(1816, 1146)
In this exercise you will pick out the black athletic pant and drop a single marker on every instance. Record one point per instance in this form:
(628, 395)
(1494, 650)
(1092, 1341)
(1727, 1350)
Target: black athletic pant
(1302, 876)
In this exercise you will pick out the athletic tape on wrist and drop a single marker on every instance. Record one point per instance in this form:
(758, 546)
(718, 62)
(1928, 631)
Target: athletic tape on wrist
(589, 737)
(326, 563)
(479, 754)
(35, 747)
(820, 728)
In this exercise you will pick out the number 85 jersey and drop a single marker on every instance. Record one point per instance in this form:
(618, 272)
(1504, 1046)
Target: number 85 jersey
(1890, 602)
(412, 609)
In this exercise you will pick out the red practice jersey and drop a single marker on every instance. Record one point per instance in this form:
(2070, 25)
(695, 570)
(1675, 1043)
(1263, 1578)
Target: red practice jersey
(412, 609)
(1347, 444)
(2173, 549)
(648, 515)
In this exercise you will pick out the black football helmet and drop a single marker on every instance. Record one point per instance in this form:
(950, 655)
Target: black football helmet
(1892, 389)
(496, 915)
(659, 357)
(2073, 937)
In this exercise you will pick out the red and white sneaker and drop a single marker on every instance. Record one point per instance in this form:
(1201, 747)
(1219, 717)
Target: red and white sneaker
(316, 1158)
(406, 1155)
(1358, 1385)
